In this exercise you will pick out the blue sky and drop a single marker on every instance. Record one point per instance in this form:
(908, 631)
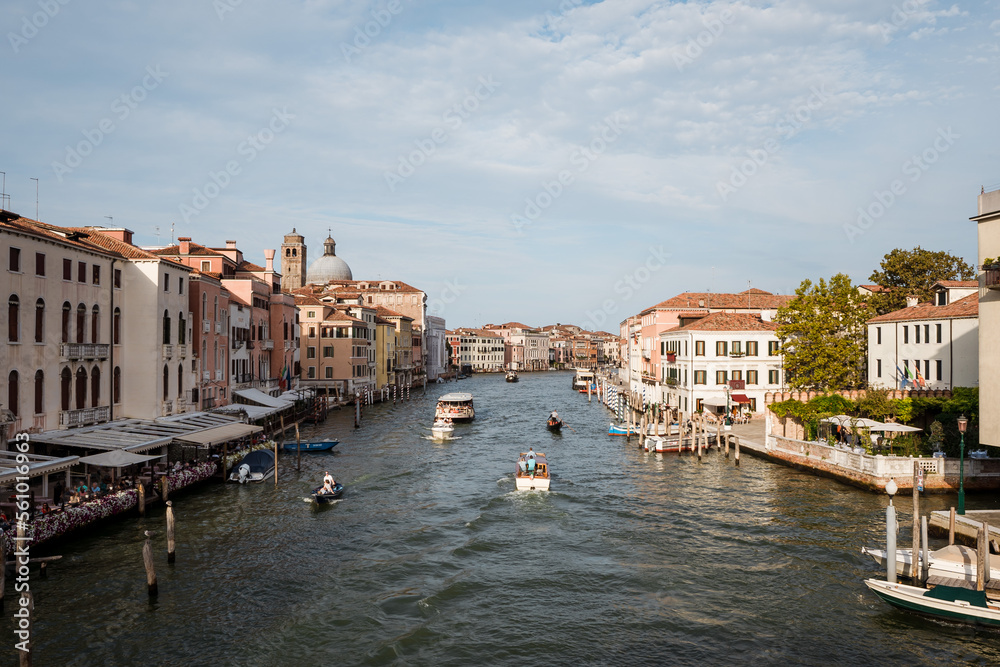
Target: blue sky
(547, 161)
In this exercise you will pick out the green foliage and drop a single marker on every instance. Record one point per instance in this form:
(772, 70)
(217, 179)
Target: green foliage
(824, 336)
(876, 404)
(905, 272)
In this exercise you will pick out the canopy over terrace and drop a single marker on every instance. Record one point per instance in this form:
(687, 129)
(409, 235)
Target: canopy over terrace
(38, 465)
(257, 397)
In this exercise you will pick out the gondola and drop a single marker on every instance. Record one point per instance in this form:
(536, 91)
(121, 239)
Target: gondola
(554, 425)
(323, 498)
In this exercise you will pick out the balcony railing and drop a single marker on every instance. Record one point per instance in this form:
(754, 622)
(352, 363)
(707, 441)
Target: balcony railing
(84, 417)
(206, 326)
(218, 375)
(236, 344)
(182, 350)
(267, 344)
(206, 376)
(218, 327)
(168, 351)
(168, 407)
(74, 351)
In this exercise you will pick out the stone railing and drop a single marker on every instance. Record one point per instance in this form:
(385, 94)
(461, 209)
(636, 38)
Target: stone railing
(74, 351)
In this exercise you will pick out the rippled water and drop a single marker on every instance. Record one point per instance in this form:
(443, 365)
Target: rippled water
(432, 558)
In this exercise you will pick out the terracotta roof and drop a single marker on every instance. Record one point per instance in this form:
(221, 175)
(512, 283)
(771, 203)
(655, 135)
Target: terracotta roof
(374, 285)
(957, 283)
(728, 322)
(693, 313)
(23, 225)
(509, 325)
(124, 249)
(753, 299)
(249, 266)
(464, 331)
(965, 307)
(379, 320)
(874, 288)
(308, 300)
(195, 249)
(382, 311)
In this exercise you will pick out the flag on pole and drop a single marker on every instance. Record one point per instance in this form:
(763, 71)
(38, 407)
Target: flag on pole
(902, 377)
(285, 380)
(920, 378)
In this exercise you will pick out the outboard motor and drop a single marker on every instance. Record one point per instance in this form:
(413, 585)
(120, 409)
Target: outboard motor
(244, 471)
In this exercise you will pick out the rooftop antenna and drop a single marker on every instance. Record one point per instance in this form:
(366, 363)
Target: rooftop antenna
(3, 192)
(748, 294)
(111, 218)
(157, 230)
(36, 197)
(171, 233)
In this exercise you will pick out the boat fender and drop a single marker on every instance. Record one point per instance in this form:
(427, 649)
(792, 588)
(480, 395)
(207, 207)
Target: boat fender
(244, 473)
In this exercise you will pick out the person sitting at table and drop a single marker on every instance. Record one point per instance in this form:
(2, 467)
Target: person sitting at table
(45, 508)
(4, 524)
(97, 489)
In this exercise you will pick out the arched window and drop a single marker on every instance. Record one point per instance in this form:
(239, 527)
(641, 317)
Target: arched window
(166, 383)
(95, 324)
(216, 310)
(39, 392)
(215, 357)
(181, 329)
(180, 380)
(13, 403)
(204, 356)
(13, 318)
(116, 388)
(295, 252)
(66, 313)
(166, 328)
(81, 322)
(95, 387)
(40, 321)
(204, 305)
(117, 326)
(65, 382)
(81, 388)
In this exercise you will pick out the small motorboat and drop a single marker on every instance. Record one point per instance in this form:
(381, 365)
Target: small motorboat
(512, 376)
(311, 446)
(667, 444)
(554, 425)
(442, 429)
(948, 602)
(531, 473)
(953, 565)
(255, 467)
(321, 498)
(622, 430)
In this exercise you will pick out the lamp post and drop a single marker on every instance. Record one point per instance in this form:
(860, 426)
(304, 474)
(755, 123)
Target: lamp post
(890, 533)
(963, 423)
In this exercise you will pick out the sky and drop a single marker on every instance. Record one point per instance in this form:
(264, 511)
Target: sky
(546, 161)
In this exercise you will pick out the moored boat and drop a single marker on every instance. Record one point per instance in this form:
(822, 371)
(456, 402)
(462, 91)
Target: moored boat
(948, 602)
(661, 444)
(255, 467)
(531, 473)
(322, 498)
(622, 430)
(456, 406)
(311, 446)
(583, 378)
(953, 565)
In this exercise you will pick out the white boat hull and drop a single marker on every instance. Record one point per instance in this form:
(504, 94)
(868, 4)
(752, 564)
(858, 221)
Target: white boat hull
(531, 483)
(916, 599)
(955, 563)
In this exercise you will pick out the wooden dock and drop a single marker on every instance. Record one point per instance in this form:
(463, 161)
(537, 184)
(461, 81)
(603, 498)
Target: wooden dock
(967, 526)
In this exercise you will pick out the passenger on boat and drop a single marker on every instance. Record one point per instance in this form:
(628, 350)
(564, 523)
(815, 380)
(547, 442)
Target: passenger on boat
(554, 415)
(531, 453)
(328, 480)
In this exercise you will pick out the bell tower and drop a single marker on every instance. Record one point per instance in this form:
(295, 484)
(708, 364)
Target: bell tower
(293, 261)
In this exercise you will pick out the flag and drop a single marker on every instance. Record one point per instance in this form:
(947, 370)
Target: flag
(920, 378)
(285, 380)
(902, 377)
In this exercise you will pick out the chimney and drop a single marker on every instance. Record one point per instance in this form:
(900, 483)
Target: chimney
(269, 261)
(911, 300)
(185, 242)
(231, 245)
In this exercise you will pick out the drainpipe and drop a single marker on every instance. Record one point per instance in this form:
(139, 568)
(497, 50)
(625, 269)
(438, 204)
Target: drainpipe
(111, 347)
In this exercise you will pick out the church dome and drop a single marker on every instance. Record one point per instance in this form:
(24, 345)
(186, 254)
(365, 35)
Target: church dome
(329, 266)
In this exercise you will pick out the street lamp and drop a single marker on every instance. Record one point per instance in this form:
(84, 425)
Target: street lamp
(890, 533)
(963, 423)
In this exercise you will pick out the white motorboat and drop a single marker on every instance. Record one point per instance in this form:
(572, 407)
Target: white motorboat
(442, 428)
(953, 565)
(456, 406)
(531, 473)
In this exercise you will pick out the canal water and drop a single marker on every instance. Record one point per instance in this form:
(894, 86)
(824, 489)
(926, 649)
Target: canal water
(432, 558)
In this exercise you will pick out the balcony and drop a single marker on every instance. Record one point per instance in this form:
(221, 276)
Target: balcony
(84, 417)
(218, 327)
(236, 344)
(288, 344)
(992, 276)
(182, 350)
(206, 376)
(218, 376)
(267, 344)
(75, 351)
(168, 351)
(206, 326)
(167, 407)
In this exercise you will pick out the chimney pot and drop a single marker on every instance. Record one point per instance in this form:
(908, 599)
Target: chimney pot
(231, 244)
(269, 260)
(185, 242)
(911, 300)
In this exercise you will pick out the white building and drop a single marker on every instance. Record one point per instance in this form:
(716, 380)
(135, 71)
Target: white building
(930, 345)
(436, 355)
(720, 360)
(482, 350)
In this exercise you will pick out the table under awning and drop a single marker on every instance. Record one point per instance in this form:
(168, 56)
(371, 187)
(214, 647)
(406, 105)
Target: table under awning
(740, 398)
(219, 434)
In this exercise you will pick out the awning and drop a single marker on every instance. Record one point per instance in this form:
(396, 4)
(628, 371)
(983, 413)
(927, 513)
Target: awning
(38, 465)
(740, 398)
(260, 398)
(219, 434)
(890, 427)
(252, 411)
(715, 402)
(116, 459)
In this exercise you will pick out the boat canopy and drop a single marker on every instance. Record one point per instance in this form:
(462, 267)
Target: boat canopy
(457, 397)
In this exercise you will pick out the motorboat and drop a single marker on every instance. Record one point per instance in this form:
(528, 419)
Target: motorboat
(255, 467)
(947, 602)
(554, 425)
(622, 430)
(311, 446)
(442, 428)
(675, 444)
(323, 498)
(456, 406)
(531, 473)
(584, 377)
(512, 376)
(953, 565)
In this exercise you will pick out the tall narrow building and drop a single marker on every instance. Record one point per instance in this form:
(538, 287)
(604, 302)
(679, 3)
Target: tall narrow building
(293, 261)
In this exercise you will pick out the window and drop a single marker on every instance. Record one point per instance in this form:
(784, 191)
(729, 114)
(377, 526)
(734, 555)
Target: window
(180, 286)
(65, 384)
(699, 348)
(311, 314)
(753, 405)
(773, 377)
(906, 334)
(751, 348)
(95, 329)
(182, 330)
(13, 318)
(39, 321)
(311, 372)
(166, 382)
(328, 372)
(166, 282)
(67, 269)
(66, 311)
(95, 387)
(312, 332)
(14, 263)
(81, 322)
(927, 369)
(878, 335)
(81, 272)
(878, 368)
(751, 377)
(698, 405)
(81, 388)
(13, 402)
(772, 348)
(720, 377)
(736, 348)
(116, 388)
(736, 375)
(720, 348)
(39, 264)
(166, 330)
(939, 366)
(310, 352)
(116, 327)
(927, 333)
(916, 334)
(180, 380)
(95, 274)
(938, 332)
(118, 278)
(204, 306)
(39, 392)
(206, 265)
(327, 351)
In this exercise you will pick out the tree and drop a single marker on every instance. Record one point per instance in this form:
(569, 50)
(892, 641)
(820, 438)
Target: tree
(906, 272)
(824, 336)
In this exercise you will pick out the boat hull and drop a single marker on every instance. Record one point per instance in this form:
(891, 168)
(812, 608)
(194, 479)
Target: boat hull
(316, 446)
(529, 484)
(959, 569)
(911, 598)
(555, 427)
(621, 430)
(325, 498)
(668, 445)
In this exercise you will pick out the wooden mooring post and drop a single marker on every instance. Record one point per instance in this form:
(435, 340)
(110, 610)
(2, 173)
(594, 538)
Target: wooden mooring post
(728, 438)
(298, 449)
(276, 464)
(982, 557)
(737, 439)
(924, 569)
(165, 487)
(951, 526)
(142, 500)
(147, 561)
(170, 532)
